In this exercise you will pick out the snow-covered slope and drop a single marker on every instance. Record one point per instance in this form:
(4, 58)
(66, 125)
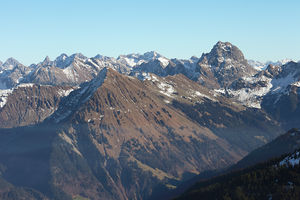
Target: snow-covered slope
(224, 64)
(291, 160)
(257, 65)
(274, 81)
(279, 62)
(133, 60)
(263, 65)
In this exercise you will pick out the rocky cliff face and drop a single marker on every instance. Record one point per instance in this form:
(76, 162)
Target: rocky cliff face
(224, 64)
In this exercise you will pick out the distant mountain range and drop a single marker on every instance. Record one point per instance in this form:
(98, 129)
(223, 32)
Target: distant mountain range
(134, 126)
(261, 66)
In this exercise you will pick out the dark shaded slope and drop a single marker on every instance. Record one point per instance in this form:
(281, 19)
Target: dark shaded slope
(269, 180)
(24, 158)
(283, 144)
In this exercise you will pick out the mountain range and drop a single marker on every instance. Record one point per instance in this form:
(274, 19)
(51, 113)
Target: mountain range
(134, 126)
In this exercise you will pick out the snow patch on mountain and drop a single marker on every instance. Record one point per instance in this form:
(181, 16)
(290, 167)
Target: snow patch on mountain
(25, 85)
(64, 93)
(297, 84)
(263, 65)
(194, 94)
(149, 76)
(3, 96)
(281, 84)
(130, 62)
(279, 62)
(69, 72)
(219, 91)
(257, 65)
(166, 89)
(6, 92)
(291, 160)
(163, 61)
(250, 97)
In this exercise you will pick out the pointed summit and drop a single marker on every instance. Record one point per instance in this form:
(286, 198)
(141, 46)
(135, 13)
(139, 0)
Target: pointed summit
(47, 59)
(62, 57)
(60, 61)
(99, 56)
(10, 63)
(46, 62)
(64, 60)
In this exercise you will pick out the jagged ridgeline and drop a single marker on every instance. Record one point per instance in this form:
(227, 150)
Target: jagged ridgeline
(135, 126)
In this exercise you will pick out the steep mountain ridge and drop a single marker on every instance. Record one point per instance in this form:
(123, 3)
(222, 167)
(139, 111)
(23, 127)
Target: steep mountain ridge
(284, 144)
(273, 174)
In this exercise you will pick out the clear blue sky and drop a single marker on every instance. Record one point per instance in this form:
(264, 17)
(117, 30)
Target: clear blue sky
(32, 29)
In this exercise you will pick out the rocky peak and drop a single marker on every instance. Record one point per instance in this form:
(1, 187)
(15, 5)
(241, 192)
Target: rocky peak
(46, 61)
(99, 56)
(78, 97)
(151, 55)
(194, 58)
(271, 71)
(290, 67)
(64, 60)
(60, 60)
(62, 57)
(78, 56)
(222, 65)
(223, 52)
(10, 63)
(287, 73)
